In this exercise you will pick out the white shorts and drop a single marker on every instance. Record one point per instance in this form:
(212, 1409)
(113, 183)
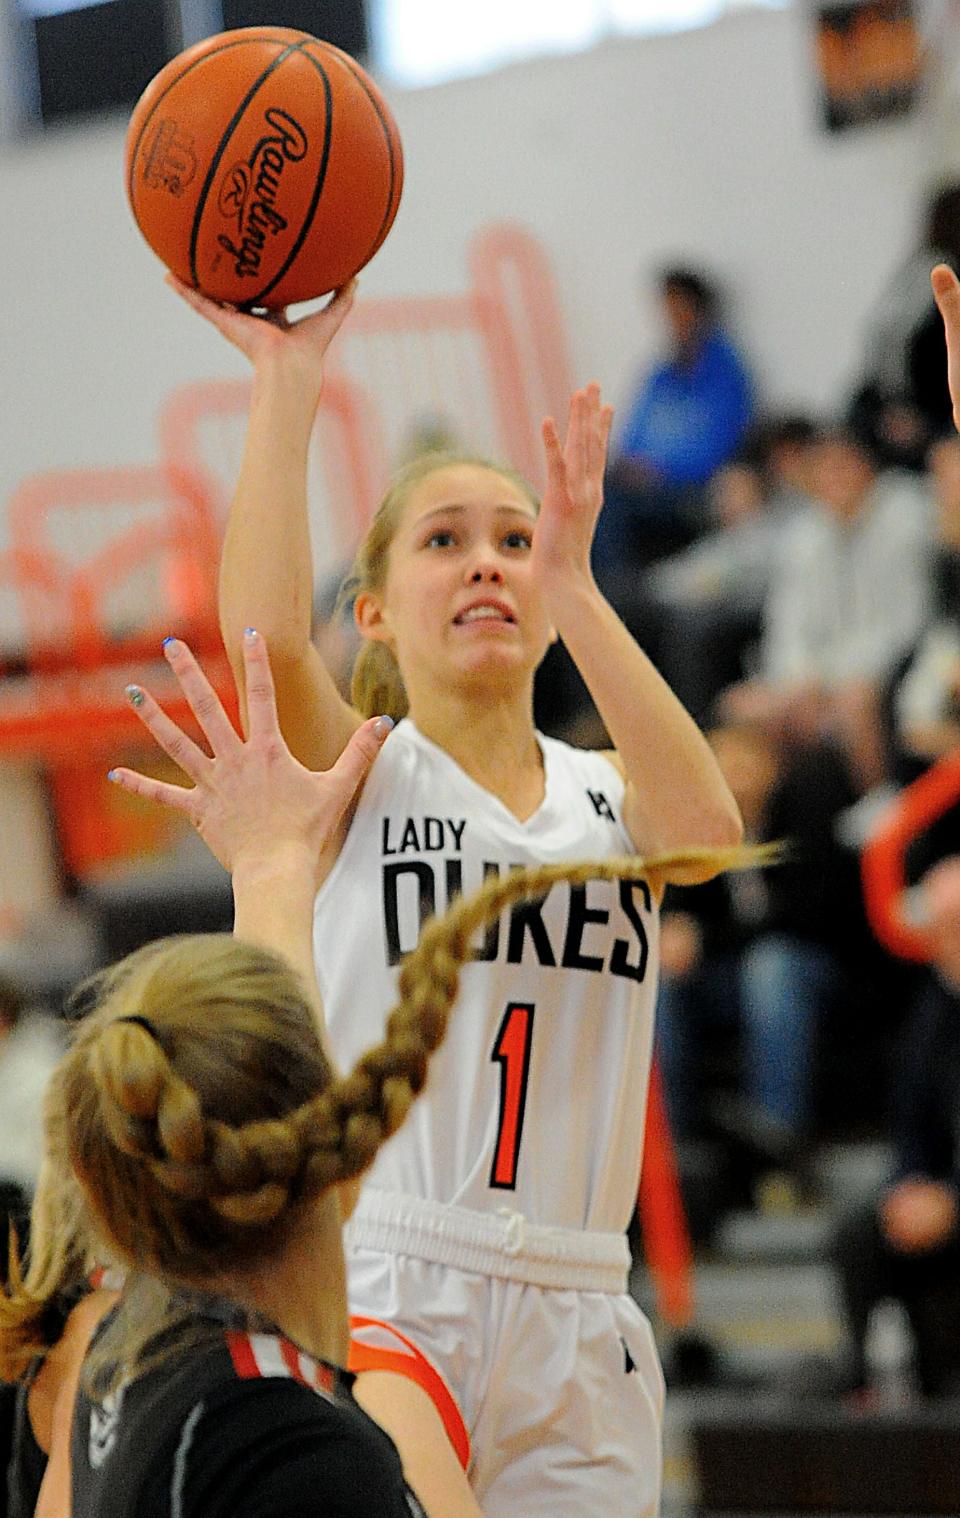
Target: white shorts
(559, 1384)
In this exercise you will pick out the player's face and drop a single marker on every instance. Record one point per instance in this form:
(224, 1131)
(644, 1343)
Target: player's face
(459, 599)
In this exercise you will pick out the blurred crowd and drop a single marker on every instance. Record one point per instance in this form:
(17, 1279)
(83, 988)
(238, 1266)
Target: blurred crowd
(797, 581)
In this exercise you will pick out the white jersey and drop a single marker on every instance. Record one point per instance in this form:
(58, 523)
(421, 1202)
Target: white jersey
(536, 1099)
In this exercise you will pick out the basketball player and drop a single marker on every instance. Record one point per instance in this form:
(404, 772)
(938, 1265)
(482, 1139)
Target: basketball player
(492, 1230)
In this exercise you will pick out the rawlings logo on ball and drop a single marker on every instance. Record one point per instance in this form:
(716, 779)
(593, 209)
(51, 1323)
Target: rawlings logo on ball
(170, 161)
(249, 191)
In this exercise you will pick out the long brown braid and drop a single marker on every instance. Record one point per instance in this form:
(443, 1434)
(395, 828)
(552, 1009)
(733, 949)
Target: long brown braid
(200, 1107)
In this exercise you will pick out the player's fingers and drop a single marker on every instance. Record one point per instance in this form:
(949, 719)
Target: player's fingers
(261, 696)
(353, 766)
(946, 291)
(343, 299)
(578, 436)
(179, 798)
(604, 427)
(167, 735)
(335, 312)
(556, 468)
(201, 697)
(594, 429)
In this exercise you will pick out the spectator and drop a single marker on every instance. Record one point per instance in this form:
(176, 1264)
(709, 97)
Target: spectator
(766, 956)
(850, 595)
(708, 599)
(686, 419)
(29, 1049)
(788, 448)
(905, 1244)
(926, 697)
(903, 402)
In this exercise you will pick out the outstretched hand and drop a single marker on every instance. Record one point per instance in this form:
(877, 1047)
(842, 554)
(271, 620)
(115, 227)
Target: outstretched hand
(259, 337)
(251, 801)
(946, 291)
(574, 494)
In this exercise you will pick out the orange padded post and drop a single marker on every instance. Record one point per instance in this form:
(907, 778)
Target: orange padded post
(882, 864)
(662, 1217)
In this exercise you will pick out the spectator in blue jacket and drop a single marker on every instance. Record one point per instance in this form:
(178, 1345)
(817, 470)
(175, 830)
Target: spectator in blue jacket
(687, 419)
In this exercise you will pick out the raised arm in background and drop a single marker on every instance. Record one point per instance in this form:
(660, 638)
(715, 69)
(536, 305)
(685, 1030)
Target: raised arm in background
(676, 795)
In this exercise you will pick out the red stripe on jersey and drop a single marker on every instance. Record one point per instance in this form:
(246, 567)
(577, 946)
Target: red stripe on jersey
(290, 1355)
(242, 1355)
(407, 1360)
(289, 1361)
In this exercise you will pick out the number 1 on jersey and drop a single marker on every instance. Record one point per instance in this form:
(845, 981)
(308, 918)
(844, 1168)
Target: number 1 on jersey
(511, 1050)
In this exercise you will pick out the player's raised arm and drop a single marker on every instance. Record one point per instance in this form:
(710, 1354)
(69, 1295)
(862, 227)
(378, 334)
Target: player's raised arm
(266, 571)
(946, 290)
(676, 796)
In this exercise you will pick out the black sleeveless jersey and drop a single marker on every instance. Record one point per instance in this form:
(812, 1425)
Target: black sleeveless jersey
(245, 1426)
(26, 1461)
(22, 1461)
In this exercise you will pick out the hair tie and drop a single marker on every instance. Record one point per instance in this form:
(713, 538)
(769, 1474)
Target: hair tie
(141, 1022)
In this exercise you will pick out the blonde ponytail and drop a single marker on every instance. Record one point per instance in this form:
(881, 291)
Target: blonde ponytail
(376, 687)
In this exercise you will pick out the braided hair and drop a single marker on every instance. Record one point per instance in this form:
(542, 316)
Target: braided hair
(200, 1107)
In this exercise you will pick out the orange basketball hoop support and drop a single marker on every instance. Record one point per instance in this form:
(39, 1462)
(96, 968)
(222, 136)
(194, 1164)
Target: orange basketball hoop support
(64, 707)
(487, 364)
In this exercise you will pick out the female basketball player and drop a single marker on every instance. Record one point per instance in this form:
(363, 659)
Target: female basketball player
(491, 1231)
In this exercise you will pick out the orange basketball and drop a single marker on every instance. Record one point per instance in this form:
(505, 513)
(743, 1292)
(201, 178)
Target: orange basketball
(263, 166)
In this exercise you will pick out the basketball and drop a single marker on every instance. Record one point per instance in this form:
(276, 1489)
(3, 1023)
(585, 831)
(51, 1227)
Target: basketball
(263, 166)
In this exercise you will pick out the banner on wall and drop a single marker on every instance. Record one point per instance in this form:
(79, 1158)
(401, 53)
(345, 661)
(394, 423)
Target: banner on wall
(870, 60)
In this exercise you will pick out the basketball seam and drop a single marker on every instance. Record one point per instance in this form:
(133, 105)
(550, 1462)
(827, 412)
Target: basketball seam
(236, 118)
(213, 53)
(318, 188)
(358, 76)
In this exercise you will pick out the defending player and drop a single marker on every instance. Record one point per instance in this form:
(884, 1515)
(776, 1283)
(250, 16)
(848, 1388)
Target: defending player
(491, 1232)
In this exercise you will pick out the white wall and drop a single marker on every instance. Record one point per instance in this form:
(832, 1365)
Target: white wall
(704, 145)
